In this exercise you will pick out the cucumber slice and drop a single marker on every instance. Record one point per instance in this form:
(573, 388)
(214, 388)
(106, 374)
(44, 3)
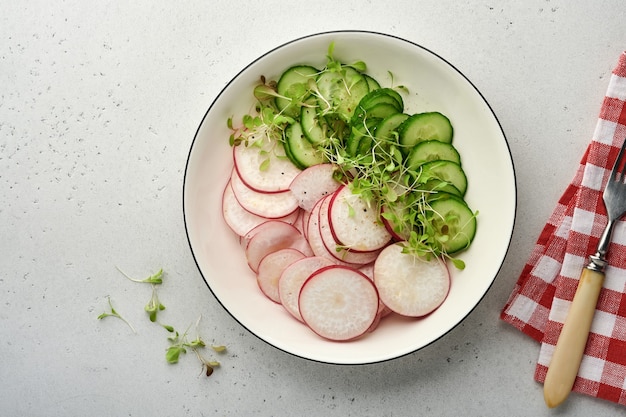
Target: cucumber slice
(387, 128)
(341, 91)
(361, 132)
(432, 150)
(446, 171)
(297, 147)
(313, 126)
(378, 111)
(425, 126)
(436, 186)
(378, 103)
(371, 82)
(294, 85)
(451, 217)
(382, 95)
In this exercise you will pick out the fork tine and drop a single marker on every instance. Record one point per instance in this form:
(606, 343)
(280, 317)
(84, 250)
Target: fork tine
(618, 169)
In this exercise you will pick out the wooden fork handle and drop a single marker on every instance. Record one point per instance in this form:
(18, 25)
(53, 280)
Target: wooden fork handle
(572, 340)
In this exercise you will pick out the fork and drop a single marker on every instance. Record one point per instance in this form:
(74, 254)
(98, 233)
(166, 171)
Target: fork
(570, 346)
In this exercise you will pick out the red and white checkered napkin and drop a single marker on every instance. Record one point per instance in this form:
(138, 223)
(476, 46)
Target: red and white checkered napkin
(543, 293)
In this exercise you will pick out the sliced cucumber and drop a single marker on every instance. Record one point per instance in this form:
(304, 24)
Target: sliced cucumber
(378, 103)
(387, 128)
(447, 171)
(383, 95)
(425, 126)
(436, 186)
(361, 132)
(297, 147)
(378, 111)
(293, 86)
(371, 82)
(313, 126)
(453, 220)
(341, 92)
(432, 150)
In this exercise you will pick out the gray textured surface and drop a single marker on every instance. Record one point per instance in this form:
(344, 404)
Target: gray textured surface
(99, 102)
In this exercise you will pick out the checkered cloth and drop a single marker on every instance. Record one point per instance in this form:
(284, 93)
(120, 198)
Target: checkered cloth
(543, 293)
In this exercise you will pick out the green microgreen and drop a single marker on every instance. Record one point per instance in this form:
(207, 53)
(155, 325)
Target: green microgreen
(179, 343)
(154, 305)
(402, 88)
(157, 278)
(113, 313)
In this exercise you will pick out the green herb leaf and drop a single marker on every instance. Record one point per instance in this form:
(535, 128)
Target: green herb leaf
(265, 165)
(152, 279)
(173, 353)
(458, 263)
(114, 313)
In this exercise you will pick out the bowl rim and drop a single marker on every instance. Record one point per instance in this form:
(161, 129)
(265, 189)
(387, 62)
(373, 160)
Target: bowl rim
(365, 32)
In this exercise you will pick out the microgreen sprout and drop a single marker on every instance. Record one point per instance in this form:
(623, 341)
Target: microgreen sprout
(157, 278)
(154, 305)
(179, 343)
(114, 313)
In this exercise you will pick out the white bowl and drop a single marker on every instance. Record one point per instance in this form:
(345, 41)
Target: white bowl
(434, 84)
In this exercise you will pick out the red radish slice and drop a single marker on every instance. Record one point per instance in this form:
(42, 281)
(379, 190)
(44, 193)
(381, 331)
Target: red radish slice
(313, 183)
(272, 236)
(376, 322)
(292, 279)
(290, 219)
(314, 237)
(239, 219)
(304, 215)
(409, 285)
(368, 270)
(354, 223)
(271, 268)
(334, 248)
(338, 303)
(383, 311)
(268, 205)
(265, 168)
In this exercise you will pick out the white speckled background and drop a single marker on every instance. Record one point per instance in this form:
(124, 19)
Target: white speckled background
(99, 102)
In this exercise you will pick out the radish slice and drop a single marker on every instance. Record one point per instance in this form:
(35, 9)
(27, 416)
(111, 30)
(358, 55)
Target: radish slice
(293, 278)
(383, 311)
(314, 237)
(264, 204)
(304, 216)
(338, 303)
(290, 220)
(271, 236)
(355, 224)
(271, 268)
(368, 270)
(409, 285)
(343, 255)
(278, 172)
(236, 217)
(313, 183)
(301, 222)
